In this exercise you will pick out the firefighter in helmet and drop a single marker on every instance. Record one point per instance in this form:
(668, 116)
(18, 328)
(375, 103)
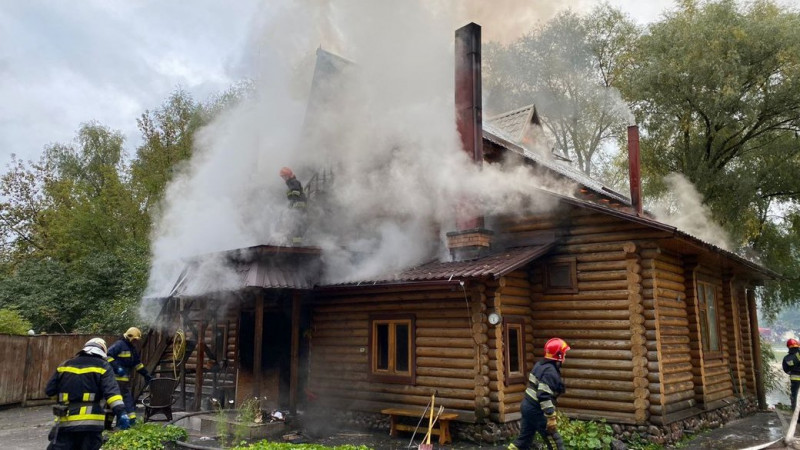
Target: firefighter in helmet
(791, 365)
(297, 204)
(538, 405)
(124, 358)
(83, 386)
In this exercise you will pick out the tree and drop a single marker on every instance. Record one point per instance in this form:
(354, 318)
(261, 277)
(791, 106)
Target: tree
(717, 85)
(568, 68)
(11, 322)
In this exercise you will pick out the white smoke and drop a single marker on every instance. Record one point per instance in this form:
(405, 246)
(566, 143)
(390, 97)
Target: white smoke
(683, 208)
(388, 135)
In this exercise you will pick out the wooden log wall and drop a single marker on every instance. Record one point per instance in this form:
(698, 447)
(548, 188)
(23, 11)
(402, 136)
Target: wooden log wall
(452, 354)
(735, 344)
(510, 296)
(604, 322)
(711, 374)
(670, 378)
(745, 328)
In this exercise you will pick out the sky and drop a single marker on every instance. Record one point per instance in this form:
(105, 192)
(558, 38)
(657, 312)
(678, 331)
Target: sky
(67, 63)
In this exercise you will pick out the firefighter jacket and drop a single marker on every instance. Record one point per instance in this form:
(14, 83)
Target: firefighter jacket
(791, 364)
(545, 385)
(295, 194)
(85, 384)
(123, 354)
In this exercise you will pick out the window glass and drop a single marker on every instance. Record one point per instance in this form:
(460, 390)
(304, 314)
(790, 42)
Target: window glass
(382, 343)
(402, 347)
(713, 327)
(514, 349)
(560, 276)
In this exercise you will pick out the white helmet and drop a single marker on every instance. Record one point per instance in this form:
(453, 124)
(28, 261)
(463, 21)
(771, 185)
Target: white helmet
(96, 346)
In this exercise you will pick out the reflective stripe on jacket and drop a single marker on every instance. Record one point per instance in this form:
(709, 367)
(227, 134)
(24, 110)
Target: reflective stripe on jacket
(545, 385)
(123, 354)
(85, 384)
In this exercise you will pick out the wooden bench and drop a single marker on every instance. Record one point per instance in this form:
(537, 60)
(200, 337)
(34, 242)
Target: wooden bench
(441, 428)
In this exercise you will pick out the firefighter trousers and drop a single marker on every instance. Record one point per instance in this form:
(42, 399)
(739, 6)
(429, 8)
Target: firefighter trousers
(75, 440)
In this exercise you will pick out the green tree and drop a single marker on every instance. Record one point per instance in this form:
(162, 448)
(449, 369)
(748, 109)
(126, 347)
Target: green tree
(168, 139)
(11, 322)
(568, 68)
(717, 87)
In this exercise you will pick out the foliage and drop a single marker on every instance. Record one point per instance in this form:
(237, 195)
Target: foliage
(637, 442)
(584, 435)
(145, 437)
(772, 376)
(11, 322)
(567, 67)
(717, 87)
(266, 445)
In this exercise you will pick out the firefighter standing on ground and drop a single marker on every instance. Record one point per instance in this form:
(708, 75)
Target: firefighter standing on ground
(82, 386)
(791, 365)
(538, 407)
(297, 204)
(124, 358)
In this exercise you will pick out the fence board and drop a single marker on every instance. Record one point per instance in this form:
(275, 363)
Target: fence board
(12, 349)
(29, 362)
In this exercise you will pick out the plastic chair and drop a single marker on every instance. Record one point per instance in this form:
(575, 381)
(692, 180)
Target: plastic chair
(160, 398)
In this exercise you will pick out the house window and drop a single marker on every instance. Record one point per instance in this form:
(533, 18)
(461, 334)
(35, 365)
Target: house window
(392, 349)
(709, 323)
(514, 349)
(561, 277)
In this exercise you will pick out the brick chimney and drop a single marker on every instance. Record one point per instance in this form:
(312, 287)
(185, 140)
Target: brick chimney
(471, 240)
(634, 163)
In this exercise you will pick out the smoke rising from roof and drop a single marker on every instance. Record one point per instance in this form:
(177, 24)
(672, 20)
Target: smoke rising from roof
(386, 131)
(683, 208)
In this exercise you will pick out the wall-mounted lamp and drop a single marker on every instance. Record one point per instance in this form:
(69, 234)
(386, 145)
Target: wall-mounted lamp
(494, 318)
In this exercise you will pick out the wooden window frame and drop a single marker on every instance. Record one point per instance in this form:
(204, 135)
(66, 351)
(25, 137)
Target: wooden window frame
(572, 265)
(520, 376)
(391, 375)
(703, 314)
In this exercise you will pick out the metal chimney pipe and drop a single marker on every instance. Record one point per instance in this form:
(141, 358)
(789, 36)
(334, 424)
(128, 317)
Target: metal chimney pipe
(469, 108)
(634, 163)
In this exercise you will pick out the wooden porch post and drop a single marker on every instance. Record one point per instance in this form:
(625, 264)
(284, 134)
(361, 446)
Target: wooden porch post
(756, 342)
(258, 334)
(294, 369)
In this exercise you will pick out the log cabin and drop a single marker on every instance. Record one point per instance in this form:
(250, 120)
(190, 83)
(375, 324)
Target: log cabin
(663, 326)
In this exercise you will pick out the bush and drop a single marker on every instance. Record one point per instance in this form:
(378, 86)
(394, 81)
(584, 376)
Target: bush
(11, 322)
(145, 436)
(584, 435)
(266, 445)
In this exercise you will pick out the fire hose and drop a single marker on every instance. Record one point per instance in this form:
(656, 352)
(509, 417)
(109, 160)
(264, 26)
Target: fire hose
(178, 350)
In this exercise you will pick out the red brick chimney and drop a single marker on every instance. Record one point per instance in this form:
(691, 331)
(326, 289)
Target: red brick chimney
(471, 240)
(634, 162)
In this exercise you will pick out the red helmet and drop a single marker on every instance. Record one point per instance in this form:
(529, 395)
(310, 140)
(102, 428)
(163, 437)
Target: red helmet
(556, 349)
(792, 343)
(286, 172)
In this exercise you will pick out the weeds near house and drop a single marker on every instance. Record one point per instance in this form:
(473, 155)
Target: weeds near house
(145, 437)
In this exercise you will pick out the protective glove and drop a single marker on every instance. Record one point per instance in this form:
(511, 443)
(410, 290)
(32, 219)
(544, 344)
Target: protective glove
(123, 422)
(120, 371)
(552, 425)
(147, 378)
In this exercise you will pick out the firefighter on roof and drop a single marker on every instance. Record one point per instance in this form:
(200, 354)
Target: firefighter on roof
(124, 358)
(82, 386)
(538, 406)
(297, 204)
(791, 365)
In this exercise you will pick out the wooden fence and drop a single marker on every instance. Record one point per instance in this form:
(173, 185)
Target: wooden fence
(29, 362)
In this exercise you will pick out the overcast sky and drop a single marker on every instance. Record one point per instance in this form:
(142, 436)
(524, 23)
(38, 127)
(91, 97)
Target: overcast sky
(63, 63)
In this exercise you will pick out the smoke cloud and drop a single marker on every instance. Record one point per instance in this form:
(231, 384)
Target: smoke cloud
(386, 131)
(683, 208)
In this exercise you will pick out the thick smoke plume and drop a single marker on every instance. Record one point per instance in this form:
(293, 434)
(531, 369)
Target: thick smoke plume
(386, 131)
(683, 208)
